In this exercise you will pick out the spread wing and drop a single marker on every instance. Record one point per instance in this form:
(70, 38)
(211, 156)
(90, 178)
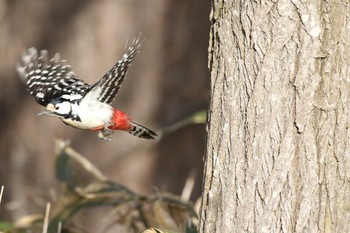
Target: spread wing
(49, 79)
(107, 88)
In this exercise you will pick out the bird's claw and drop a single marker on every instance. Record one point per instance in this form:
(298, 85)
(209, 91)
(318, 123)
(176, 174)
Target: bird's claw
(103, 134)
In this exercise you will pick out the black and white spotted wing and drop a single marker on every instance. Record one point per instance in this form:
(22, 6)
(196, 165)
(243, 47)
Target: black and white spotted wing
(107, 88)
(49, 79)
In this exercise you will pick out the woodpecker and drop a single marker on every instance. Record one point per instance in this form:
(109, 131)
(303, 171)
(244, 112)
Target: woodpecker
(55, 86)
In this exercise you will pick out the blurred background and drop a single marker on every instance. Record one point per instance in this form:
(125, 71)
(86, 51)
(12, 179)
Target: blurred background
(167, 82)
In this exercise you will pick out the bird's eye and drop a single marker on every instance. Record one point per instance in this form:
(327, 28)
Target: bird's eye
(57, 107)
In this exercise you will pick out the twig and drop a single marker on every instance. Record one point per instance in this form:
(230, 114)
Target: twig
(59, 227)
(186, 192)
(86, 164)
(196, 118)
(1, 192)
(142, 216)
(46, 218)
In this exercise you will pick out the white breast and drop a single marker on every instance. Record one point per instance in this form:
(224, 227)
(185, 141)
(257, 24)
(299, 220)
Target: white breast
(93, 114)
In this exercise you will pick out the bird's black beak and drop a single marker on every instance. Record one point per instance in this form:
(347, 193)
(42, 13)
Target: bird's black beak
(48, 111)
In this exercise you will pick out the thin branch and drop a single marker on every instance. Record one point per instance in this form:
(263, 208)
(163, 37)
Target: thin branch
(86, 164)
(188, 188)
(1, 192)
(59, 227)
(196, 118)
(46, 218)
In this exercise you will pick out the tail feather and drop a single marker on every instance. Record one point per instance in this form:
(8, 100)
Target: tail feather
(141, 131)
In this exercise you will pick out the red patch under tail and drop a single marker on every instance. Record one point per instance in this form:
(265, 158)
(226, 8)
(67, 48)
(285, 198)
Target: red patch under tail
(120, 121)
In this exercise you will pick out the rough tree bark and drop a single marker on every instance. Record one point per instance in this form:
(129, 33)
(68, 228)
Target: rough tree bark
(278, 146)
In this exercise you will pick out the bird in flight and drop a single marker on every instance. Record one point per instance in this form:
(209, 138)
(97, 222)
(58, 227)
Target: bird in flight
(78, 104)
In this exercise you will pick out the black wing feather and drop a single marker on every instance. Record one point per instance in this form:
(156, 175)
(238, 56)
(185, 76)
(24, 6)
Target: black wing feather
(49, 79)
(107, 88)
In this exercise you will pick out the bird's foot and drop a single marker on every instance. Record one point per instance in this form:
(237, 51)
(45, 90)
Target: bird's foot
(103, 134)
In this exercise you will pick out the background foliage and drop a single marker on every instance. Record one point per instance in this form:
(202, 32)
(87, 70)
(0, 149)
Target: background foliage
(167, 83)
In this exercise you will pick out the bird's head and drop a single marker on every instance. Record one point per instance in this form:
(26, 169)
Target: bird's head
(60, 109)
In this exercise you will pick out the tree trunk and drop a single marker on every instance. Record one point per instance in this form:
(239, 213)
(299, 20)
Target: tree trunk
(278, 147)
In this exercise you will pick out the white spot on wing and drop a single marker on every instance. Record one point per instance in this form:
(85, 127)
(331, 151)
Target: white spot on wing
(40, 95)
(72, 97)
